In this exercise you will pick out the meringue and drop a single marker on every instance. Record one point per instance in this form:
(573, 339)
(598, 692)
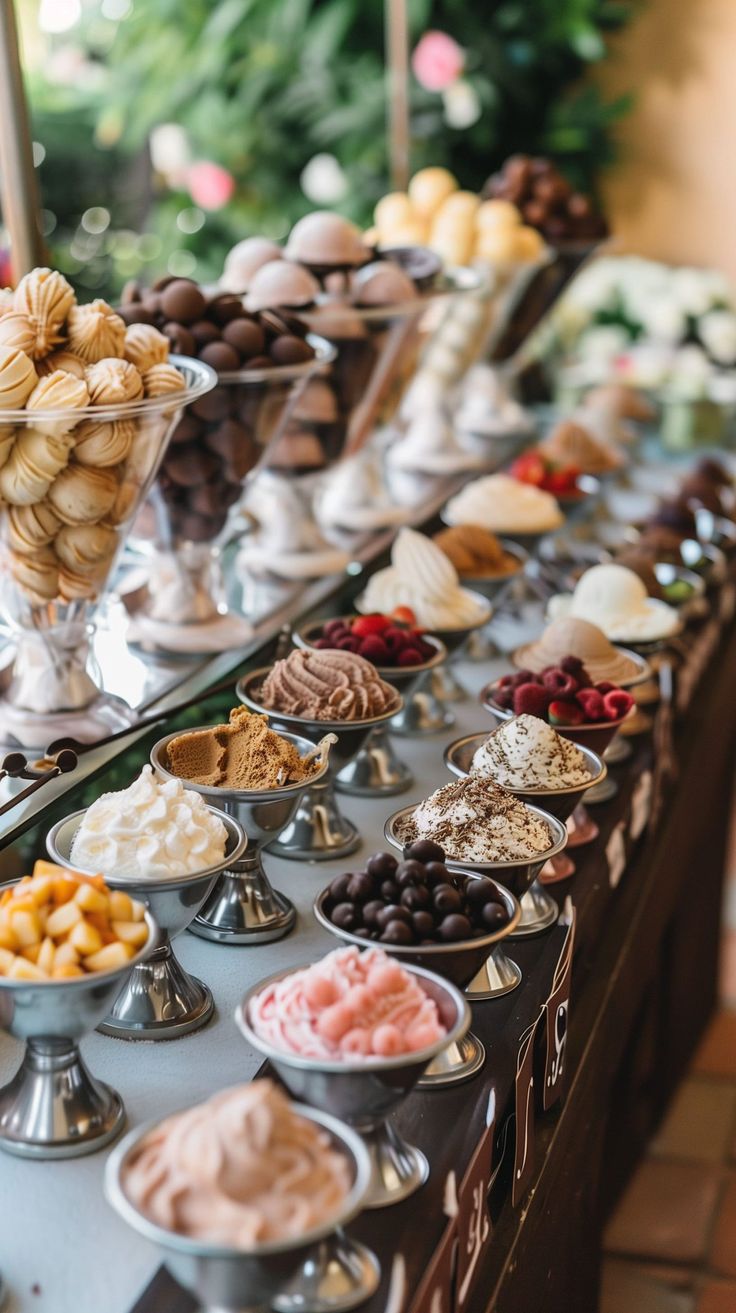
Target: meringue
(80, 495)
(16, 330)
(18, 378)
(33, 464)
(31, 527)
(95, 331)
(144, 346)
(66, 361)
(37, 574)
(45, 296)
(429, 445)
(504, 505)
(355, 497)
(161, 379)
(58, 391)
(102, 443)
(84, 547)
(113, 381)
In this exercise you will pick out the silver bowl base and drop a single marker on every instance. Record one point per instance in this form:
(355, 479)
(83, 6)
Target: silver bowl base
(558, 868)
(398, 1169)
(159, 1000)
(618, 751)
(318, 830)
(422, 712)
(375, 771)
(538, 913)
(243, 908)
(603, 792)
(498, 976)
(339, 1274)
(54, 1108)
(581, 828)
(446, 686)
(457, 1063)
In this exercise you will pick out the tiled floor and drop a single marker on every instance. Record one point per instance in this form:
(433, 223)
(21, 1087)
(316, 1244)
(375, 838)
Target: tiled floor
(671, 1244)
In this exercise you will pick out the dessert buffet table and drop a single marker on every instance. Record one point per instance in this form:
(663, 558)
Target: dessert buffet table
(643, 984)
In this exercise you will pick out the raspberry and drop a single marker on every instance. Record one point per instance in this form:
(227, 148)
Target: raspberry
(374, 649)
(560, 684)
(531, 700)
(617, 704)
(365, 625)
(592, 704)
(605, 686)
(395, 638)
(425, 650)
(348, 644)
(503, 697)
(333, 627)
(322, 643)
(565, 713)
(572, 665)
(525, 677)
(410, 657)
(506, 681)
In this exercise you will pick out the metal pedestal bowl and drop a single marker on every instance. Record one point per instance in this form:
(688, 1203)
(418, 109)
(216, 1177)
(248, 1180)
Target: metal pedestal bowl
(443, 682)
(459, 964)
(234, 1281)
(480, 646)
(54, 1107)
(364, 1091)
(538, 910)
(377, 770)
(558, 802)
(317, 831)
(242, 907)
(160, 1000)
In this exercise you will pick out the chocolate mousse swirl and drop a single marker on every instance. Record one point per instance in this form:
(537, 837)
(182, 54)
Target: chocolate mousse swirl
(327, 685)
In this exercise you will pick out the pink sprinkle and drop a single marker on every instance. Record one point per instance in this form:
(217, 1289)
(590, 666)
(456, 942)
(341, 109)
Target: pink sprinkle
(388, 1041)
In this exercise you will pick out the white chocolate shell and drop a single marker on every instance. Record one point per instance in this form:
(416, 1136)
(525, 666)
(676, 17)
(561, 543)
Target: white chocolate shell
(18, 378)
(46, 298)
(145, 346)
(113, 382)
(95, 332)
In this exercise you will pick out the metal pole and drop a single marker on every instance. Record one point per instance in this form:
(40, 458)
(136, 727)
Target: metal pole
(397, 67)
(17, 174)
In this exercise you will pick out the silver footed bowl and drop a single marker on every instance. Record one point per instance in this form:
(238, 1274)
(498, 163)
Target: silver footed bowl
(557, 802)
(490, 585)
(227, 1280)
(453, 638)
(516, 876)
(401, 677)
(53, 1107)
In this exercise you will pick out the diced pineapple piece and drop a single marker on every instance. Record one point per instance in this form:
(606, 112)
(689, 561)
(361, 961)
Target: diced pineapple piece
(66, 955)
(40, 889)
(131, 932)
(6, 961)
(85, 938)
(90, 899)
(42, 867)
(121, 906)
(109, 958)
(63, 919)
(66, 971)
(64, 890)
(22, 969)
(46, 955)
(26, 925)
(31, 952)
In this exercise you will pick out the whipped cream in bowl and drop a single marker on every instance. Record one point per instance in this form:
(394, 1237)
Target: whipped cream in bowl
(529, 758)
(422, 578)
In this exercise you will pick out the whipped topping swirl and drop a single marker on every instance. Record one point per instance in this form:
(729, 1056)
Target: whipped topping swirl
(421, 576)
(475, 820)
(152, 830)
(349, 1005)
(327, 685)
(527, 753)
(241, 1170)
(505, 505)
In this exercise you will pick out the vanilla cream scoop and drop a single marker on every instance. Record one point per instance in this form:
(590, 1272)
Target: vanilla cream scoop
(420, 576)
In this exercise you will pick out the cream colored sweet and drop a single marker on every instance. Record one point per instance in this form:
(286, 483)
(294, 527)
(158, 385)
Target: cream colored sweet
(505, 505)
(429, 444)
(420, 576)
(571, 636)
(348, 1005)
(281, 283)
(153, 830)
(355, 497)
(475, 820)
(244, 260)
(242, 1170)
(528, 754)
(615, 599)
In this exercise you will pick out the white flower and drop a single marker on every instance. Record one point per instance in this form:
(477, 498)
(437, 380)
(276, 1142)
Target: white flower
(693, 291)
(663, 319)
(649, 363)
(462, 106)
(717, 331)
(602, 344)
(323, 180)
(596, 287)
(170, 152)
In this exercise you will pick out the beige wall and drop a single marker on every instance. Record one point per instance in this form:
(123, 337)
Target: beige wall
(672, 194)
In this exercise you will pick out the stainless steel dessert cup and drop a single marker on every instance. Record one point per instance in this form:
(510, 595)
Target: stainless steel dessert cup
(538, 910)
(363, 1091)
(317, 830)
(376, 769)
(480, 645)
(459, 964)
(242, 907)
(443, 682)
(54, 1107)
(160, 1000)
(558, 802)
(235, 1281)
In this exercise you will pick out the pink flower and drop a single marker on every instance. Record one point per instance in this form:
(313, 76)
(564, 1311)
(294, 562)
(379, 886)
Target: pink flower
(437, 61)
(210, 186)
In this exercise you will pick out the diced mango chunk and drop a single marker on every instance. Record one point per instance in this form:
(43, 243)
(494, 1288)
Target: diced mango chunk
(91, 899)
(63, 919)
(85, 938)
(109, 958)
(131, 932)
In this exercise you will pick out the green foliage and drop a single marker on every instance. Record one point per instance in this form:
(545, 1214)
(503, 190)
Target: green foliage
(261, 86)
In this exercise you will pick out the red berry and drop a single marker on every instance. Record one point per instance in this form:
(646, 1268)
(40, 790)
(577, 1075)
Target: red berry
(605, 686)
(531, 700)
(404, 615)
(322, 643)
(348, 644)
(529, 468)
(374, 649)
(592, 704)
(560, 684)
(410, 657)
(503, 697)
(506, 681)
(333, 627)
(525, 677)
(363, 625)
(617, 704)
(395, 638)
(565, 713)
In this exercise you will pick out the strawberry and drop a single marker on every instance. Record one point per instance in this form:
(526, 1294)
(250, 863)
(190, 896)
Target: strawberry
(592, 704)
(374, 649)
(531, 700)
(565, 713)
(529, 468)
(366, 625)
(560, 684)
(404, 615)
(617, 703)
(564, 481)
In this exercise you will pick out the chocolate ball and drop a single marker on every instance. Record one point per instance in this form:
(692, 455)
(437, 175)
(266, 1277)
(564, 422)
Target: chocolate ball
(187, 430)
(223, 309)
(164, 280)
(346, 916)
(416, 897)
(182, 301)
(423, 923)
(245, 336)
(494, 915)
(213, 405)
(436, 873)
(207, 498)
(397, 932)
(390, 891)
(188, 465)
(392, 912)
(203, 332)
(180, 339)
(135, 314)
(381, 865)
(446, 899)
(290, 350)
(371, 911)
(131, 292)
(455, 927)
(220, 356)
(481, 891)
(425, 850)
(409, 872)
(338, 887)
(360, 887)
(362, 932)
